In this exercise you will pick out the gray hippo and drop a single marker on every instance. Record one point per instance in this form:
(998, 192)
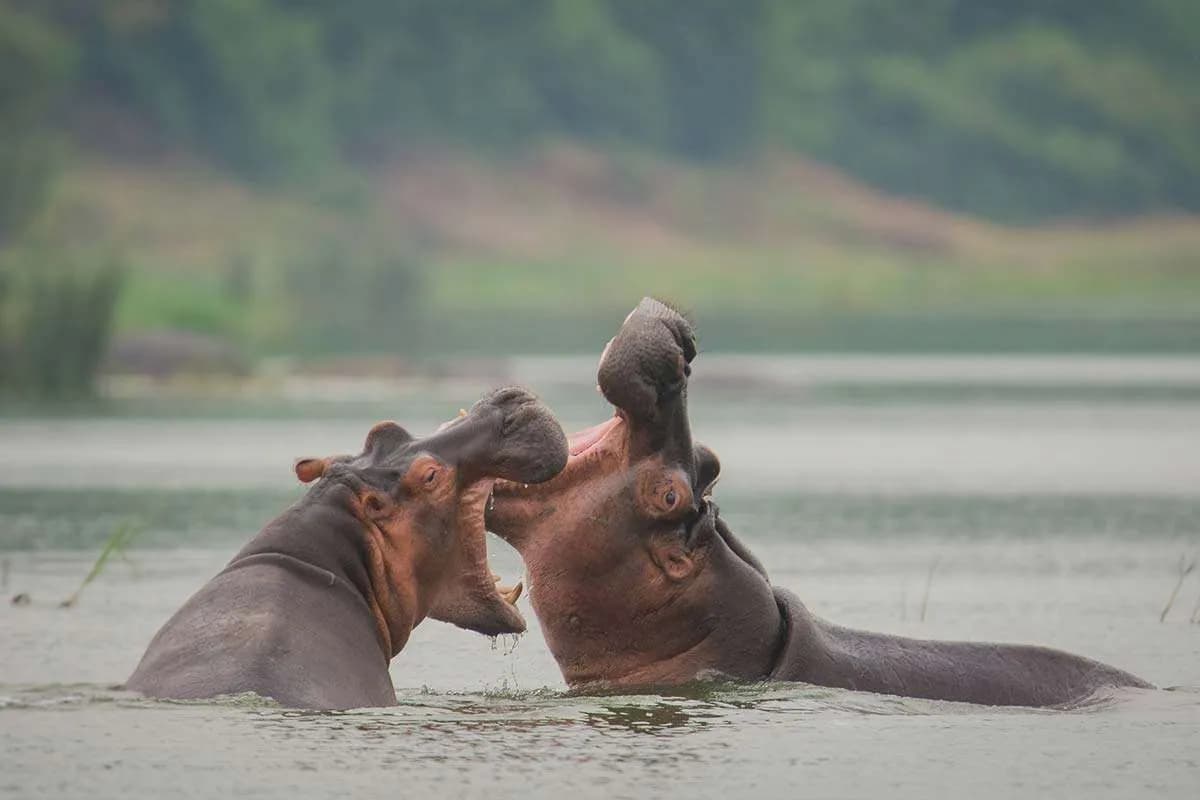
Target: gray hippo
(637, 580)
(313, 609)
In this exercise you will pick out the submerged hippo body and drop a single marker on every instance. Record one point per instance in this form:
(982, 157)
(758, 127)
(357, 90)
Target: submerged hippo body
(313, 609)
(815, 651)
(638, 581)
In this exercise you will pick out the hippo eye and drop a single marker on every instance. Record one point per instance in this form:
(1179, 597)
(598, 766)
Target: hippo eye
(430, 475)
(670, 497)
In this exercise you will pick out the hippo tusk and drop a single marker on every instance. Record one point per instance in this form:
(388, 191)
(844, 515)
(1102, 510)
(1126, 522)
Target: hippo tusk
(510, 593)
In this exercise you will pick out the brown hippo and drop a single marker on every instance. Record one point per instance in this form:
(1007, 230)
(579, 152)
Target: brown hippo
(311, 611)
(637, 581)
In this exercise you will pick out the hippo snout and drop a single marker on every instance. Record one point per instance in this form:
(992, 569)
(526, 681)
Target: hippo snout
(529, 444)
(648, 362)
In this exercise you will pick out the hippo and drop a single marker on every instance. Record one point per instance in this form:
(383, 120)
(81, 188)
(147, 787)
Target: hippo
(313, 608)
(638, 581)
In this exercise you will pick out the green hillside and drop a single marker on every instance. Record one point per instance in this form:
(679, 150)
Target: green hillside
(541, 254)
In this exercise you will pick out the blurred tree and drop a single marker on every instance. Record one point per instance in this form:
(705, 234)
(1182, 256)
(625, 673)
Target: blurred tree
(56, 322)
(1019, 110)
(707, 54)
(242, 80)
(34, 67)
(494, 74)
(352, 296)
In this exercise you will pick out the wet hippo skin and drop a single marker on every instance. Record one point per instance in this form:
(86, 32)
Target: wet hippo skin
(638, 581)
(313, 609)
(815, 651)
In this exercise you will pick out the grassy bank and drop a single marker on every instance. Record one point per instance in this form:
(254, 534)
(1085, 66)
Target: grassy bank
(545, 254)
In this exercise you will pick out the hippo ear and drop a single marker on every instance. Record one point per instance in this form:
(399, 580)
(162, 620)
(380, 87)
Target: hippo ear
(384, 439)
(309, 469)
(672, 555)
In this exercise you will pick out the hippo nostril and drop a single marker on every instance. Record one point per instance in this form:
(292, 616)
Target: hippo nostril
(675, 322)
(510, 398)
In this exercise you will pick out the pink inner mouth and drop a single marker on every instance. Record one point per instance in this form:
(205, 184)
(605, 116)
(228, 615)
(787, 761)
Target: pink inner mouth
(586, 439)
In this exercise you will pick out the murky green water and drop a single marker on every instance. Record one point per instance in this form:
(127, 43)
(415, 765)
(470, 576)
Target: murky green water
(1054, 513)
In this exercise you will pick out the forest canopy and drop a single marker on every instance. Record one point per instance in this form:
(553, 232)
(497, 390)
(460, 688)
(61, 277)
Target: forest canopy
(1019, 110)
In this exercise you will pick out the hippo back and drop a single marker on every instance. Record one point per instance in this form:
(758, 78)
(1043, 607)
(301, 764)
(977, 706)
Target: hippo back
(276, 626)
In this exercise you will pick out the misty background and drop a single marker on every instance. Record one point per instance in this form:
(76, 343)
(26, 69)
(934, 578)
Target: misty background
(195, 186)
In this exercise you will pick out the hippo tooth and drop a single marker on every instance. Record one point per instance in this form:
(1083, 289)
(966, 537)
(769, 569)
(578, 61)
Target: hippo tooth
(510, 593)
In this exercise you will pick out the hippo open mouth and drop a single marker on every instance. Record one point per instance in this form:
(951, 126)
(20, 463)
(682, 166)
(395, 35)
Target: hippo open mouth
(610, 542)
(588, 450)
(484, 582)
(440, 486)
(382, 540)
(643, 373)
(519, 440)
(583, 441)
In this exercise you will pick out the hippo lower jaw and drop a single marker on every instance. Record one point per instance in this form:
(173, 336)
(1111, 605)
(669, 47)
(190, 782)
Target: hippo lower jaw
(474, 599)
(479, 602)
(474, 515)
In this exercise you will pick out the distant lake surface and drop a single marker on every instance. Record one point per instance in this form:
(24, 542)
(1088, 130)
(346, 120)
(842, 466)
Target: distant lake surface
(1043, 500)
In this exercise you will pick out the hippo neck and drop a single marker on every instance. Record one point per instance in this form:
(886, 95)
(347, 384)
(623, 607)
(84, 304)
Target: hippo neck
(322, 532)
(749, 627)
(736, 624)
(758, 631)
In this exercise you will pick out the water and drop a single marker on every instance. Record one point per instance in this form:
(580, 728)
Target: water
(1052, 505)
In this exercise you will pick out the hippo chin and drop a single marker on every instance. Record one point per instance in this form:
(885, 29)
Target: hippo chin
(636, 580)
(312, 610)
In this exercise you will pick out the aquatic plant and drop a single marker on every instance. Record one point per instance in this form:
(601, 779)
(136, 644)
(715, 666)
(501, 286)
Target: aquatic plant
(115, 545)
(928, 586)
(1185, 569)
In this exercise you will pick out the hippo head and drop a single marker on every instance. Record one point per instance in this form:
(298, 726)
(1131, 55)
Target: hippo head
(615, 545)
(420, 504)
